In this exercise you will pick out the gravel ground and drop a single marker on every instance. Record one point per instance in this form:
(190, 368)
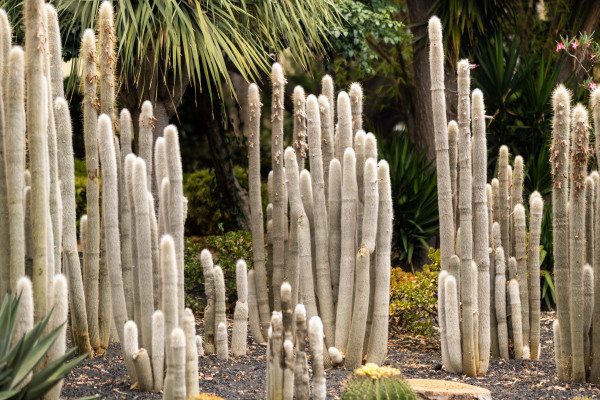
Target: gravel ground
(244, 377)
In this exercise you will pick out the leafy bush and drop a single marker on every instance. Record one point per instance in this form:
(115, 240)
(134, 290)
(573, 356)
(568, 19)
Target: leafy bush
(414, 192)
(413, 298)
(208, 213)
(19, 360)
(226, 250)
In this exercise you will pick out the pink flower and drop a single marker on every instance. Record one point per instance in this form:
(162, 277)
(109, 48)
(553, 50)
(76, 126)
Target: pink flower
(471, 66)
(592, 56)
(560, 46)
(588, 45)
(574, 45)
(592, 86)
(591, 149)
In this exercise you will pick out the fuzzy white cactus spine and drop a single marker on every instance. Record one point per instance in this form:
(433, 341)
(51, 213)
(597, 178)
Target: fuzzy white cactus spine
(452, 325)
(303, 230)
(442, 317)
(176, 214)
(356, 102)
(90, 121)
(128, 172)
(309, 207)
(588, 304)
(256, 221)
(130, 347)
(107, 59)
(220, 306)
(4, 128)
(323, 276)
(536, 208)
(516, 194)
(35, 39)
(326, 139)
(299, 133)
(158, 349)
(500, 302)
(287, 313)
(502, 211)
(208, 271)
(371, 205)
(191, 353)
(579, 158)
(515, 306)
(595, 366)
(589, 219)
(146, 137)
(354, 352)
(199, 346)
(253, 315)
(453, 158)
(156, 287)
(24, 318)
(519, 236)
(55, 223)
(275, 361)
(438, 102)
(177, 366)
(315, 331)
(559, 159)
(378, 338)
(328, 91)
(481, 230)
(143, 236)
(359, 151)
(239, 334)
(465, 209)
(344, 134)
(60, 304)
(288, 369)
(169, 273)
(301, 366)
(348, 243)
(334, 209)
(125, 212)
(14, 146)
(110, 207)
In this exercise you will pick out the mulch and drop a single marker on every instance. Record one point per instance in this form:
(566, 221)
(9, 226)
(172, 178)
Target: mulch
(418, 357)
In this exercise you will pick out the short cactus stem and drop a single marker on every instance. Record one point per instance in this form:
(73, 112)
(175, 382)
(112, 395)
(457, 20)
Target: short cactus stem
(536, 207)
(177, 366)
(209, 289)
(220, 306)
(191, 353)
(500, 302)
(158, 349)
(519, 235)
(301, 366)
(452, 325)
(240, 317)
(515, 306)
(315, 331)
(354, 354)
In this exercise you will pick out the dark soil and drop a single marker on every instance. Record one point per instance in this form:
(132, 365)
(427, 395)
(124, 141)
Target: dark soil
(244, 377)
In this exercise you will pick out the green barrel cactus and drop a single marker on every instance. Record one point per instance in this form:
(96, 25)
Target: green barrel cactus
(374, 382)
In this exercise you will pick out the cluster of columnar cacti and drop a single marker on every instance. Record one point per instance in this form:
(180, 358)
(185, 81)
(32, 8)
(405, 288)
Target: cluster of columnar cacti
(518, 264)
(575, 196)
(35, 203)
(287, 362)
(475, 297)
(121, 240)
(336, 245)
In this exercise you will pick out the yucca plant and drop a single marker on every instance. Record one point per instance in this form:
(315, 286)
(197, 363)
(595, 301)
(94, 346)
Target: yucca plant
(19, 360)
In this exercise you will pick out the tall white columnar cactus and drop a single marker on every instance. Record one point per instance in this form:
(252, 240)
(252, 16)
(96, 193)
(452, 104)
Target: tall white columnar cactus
(480, 229)
(438, 103)
(256, 223)
(465, 210)
(240, 316)
(278, 82)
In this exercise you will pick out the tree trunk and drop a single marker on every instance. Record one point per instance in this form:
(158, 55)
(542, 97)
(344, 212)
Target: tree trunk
(421, 133)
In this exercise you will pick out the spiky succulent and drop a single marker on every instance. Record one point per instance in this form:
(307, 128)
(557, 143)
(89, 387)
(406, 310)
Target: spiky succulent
(374, 382)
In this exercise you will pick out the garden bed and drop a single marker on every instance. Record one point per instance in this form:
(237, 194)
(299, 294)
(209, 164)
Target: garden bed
(244, 377)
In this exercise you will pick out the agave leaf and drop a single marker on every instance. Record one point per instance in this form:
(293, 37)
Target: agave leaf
(37, 388)
(34, 355)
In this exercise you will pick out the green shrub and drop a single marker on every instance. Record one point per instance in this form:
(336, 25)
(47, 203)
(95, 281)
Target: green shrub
(208, 213)
(413, 298)
(80, 188)
(19, 360)
(226, 250)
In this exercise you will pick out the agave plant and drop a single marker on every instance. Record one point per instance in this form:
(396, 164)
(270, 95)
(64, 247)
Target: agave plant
(17, 361)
